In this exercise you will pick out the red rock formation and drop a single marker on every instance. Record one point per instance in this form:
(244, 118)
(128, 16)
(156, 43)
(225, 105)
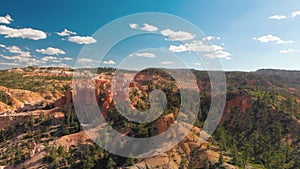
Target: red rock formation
(68, 98)
(241, 101)
(165, 122)
(60, 102)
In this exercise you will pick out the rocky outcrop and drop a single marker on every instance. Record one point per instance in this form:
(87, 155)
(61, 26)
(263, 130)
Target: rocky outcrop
(192, 149)
(22, 100)
(65, 100)
(165, 122)
(74, 140)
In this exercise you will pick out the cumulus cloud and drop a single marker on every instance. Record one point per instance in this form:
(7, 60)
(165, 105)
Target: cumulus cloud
(47, 58)
(67, 58)
(82, 39)
(166, 62)
(295, 13)
(288, 51)
(84, 60)
(19, 58)
(177, 35)
(109, 62)
(55, 59)
(24, 33)
(133, 26)
(180, 48)
(6, 19)
(209, 38)
(278, 17)
(66, 32)
(149, 28)
(146, 27)
(197, 46)
(145, 55)
(16, 50)
(23, 58)
(9, 64)
(219, 54)
(213, 51)
(51, 51)
(271, 38)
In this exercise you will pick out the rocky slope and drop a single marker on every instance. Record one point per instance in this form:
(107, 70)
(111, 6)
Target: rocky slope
(261, 117)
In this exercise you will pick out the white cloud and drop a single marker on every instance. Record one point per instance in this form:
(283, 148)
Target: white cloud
(55, 59)
(288, 51)
(51, 51)
(218, 54)
(66, 32)
(214, 51)
(67, 58)
(271, 38)
(148, 27)
(6, 19)
(145, 55)
(278, 17)
(295, 13)
(47, 58)
(197, 46)
(167, 62)
(209, 38)
(9, 64)
(63, 65)
(18, 55)
(23, 33)
(109, 62)
(133, 26)
(82, 39)
(19, 58)
(180, 48)
(16, 50)
(84, 60)
(177, 35)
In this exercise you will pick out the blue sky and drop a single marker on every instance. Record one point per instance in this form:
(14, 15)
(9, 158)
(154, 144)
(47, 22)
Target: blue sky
(247, 35)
